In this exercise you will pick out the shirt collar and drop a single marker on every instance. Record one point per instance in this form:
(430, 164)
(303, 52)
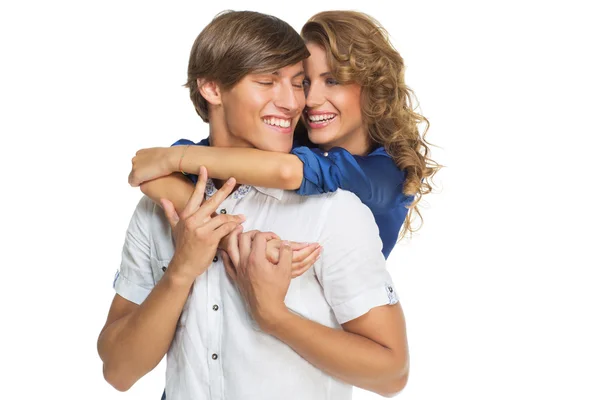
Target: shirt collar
(276, 193)
(243, 190)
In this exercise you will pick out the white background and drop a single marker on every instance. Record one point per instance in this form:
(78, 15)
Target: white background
(500, 287)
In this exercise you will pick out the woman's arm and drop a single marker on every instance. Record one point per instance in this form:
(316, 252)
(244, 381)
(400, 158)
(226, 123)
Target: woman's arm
(175, 187)
(248, 166)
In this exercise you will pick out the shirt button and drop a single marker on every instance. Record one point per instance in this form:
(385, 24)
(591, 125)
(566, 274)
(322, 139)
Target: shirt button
(223, 211)
(164, 269)
(216, 307)
(326, 154)
(215, 259)
(214, 356)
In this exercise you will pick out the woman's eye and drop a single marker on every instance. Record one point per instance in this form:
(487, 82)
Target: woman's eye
(331, 81)
(306, 83)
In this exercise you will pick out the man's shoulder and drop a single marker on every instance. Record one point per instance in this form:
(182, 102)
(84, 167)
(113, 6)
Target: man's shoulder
(335, 205)
(338, 198)
(146, 210)
(347, 200)
(149, 220)
(346, 204)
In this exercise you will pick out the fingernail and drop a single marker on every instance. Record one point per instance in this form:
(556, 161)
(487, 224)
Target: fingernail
(286, 243)
(230, 181)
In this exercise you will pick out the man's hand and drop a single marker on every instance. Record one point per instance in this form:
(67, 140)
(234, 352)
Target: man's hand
(149, 164)
(197, 233)
(262, 284)
(304, 255)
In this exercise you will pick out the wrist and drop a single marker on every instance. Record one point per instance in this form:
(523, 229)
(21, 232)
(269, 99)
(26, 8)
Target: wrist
(179, 276)
(173, 156)
(276, 321)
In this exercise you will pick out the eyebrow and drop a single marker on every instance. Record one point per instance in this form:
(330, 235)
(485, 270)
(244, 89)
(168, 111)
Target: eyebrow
(324, 74)
(300, 73)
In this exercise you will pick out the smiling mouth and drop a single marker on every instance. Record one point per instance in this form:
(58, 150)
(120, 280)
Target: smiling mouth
(278, 122)
(321, 117)
(320, 120)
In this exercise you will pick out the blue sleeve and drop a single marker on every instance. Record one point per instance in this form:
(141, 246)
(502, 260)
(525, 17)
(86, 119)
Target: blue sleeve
(183, 142)
(374, 179)
(338, 170)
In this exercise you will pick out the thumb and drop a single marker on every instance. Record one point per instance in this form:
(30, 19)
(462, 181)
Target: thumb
(170, 212)
(285, 255)
(131, 180)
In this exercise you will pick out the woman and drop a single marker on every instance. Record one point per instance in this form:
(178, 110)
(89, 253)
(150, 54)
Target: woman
(359, 133)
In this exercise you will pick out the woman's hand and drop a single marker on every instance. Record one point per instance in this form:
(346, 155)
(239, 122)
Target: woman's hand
(304, 255)
(152, 163)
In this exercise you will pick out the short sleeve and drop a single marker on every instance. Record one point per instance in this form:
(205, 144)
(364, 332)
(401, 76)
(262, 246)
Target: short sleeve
(352, 269)
(134, 280)
(338, 170)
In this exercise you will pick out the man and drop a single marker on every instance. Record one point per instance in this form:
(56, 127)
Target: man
(246, 331)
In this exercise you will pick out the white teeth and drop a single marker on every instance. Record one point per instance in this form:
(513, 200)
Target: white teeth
(321, 117)
(283, 123)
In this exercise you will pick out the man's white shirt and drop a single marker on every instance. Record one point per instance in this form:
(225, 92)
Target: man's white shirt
(218, 351)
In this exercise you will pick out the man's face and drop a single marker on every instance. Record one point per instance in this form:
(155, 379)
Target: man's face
(262, 110)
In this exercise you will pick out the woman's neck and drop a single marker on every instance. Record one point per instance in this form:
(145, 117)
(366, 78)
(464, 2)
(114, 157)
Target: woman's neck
(358, 144)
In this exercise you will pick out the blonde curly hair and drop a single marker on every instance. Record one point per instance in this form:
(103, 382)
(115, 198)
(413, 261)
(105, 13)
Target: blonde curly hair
(359, 51)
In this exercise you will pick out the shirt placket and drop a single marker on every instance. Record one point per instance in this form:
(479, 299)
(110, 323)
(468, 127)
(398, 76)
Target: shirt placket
(215, 317)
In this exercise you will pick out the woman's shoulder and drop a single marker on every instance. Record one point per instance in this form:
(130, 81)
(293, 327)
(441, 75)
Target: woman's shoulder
(379, 165)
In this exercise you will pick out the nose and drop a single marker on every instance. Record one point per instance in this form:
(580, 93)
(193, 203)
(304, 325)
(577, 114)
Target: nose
(289, 99)
(314, 96)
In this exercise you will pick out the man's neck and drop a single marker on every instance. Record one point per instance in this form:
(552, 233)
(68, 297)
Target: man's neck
(223, 139)
(220, 137)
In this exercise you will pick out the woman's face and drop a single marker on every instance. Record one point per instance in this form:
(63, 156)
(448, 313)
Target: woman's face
(332, 114)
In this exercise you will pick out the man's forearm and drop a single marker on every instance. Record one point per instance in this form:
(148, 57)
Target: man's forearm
(133, 345)
(347, 356)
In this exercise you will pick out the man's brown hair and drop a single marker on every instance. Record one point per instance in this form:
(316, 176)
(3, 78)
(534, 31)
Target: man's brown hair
(237, 43)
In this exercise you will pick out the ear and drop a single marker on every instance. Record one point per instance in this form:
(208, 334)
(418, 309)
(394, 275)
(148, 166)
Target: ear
(210, 91)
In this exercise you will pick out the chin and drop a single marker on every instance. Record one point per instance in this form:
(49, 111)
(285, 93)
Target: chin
(320, 138)
(277, 147)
